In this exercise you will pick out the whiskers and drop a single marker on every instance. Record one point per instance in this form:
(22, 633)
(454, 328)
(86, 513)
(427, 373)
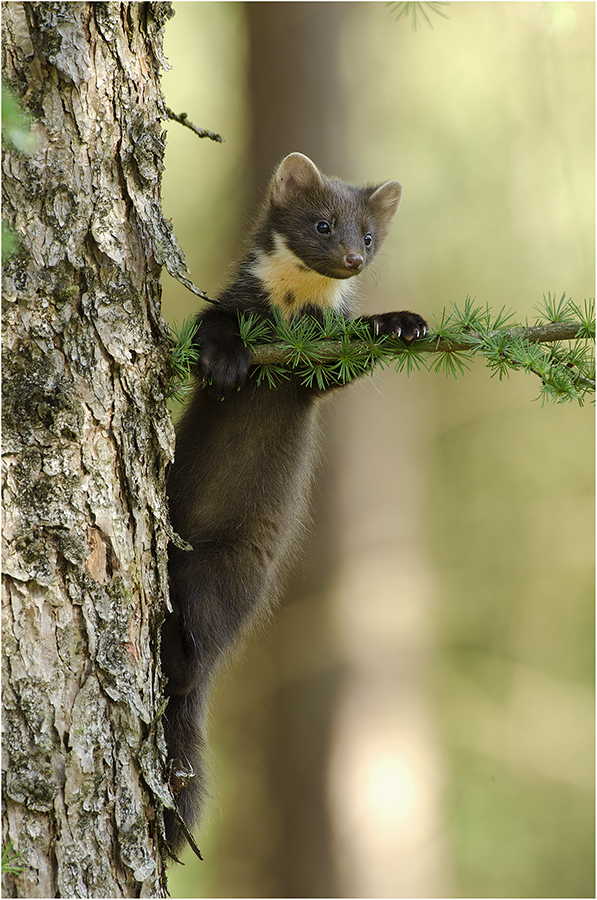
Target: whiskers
(379, 273)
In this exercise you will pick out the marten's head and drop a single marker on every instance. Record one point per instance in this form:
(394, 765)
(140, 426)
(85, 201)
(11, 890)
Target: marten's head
(333, 227)
(316, 232)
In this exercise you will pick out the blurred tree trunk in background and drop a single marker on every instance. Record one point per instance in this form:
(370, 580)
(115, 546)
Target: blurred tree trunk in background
(295, 91)
(86, 438)
(295, 98)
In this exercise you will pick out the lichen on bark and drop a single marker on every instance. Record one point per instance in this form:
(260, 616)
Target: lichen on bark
(86, 440)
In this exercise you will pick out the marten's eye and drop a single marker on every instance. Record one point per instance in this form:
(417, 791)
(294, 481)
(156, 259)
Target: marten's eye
(368, 240)
(324, 227)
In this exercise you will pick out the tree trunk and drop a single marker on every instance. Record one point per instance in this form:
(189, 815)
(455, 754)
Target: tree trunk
(87, 437)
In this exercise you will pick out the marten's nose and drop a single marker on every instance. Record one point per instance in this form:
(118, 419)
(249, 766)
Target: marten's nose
(354, 261)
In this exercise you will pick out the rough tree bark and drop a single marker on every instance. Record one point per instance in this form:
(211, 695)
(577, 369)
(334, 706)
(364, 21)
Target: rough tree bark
(86, 438)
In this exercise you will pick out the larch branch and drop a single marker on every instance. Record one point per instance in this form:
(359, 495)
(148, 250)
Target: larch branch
(330, 350)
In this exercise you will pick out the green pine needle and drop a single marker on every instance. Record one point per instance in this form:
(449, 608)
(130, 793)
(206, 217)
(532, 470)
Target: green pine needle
(416, 11)
(272, 374)
(555, 310)
(183, 356)
(11, 861)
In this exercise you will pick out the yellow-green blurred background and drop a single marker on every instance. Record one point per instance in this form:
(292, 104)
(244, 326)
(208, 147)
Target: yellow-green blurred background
(417, 720)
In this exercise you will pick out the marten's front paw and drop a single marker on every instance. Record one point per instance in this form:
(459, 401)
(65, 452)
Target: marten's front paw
(405, 325)
(223, 367)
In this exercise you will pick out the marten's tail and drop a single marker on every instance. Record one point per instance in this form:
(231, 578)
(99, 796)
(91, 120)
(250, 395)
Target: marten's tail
(184, 731)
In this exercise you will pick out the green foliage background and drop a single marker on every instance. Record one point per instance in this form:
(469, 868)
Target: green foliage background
(488, 121)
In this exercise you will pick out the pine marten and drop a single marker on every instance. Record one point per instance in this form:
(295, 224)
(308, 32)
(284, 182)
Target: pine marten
(240, 484)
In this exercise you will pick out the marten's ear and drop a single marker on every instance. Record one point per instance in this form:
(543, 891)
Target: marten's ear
(385, 200)
(295, 175)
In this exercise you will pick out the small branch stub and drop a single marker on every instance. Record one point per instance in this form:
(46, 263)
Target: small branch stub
(183, 119)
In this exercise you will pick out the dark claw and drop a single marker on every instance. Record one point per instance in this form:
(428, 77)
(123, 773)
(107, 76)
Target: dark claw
(224, 369)
(406, 325)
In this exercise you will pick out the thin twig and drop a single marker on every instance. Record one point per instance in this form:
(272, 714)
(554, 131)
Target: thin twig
(187, 833)
(543, 334)
(192, 287)
(183, 119)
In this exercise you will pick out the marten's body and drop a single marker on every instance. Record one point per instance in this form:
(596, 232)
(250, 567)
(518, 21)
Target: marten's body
(240, 485)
